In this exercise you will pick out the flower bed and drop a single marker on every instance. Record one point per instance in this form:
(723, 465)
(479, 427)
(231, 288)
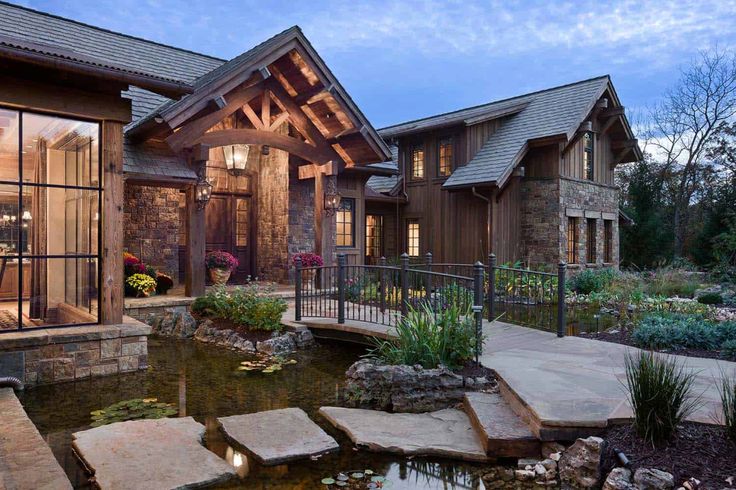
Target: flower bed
(252, 306)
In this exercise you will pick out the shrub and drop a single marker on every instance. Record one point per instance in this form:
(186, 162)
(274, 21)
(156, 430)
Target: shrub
(592, 280)
(670, 282)
(728, 403)
(163, 283)
(250, 306)
(660, 394)
(309, 259)
(430, 338)
(219, 259)
(141, 284)
(728, 349)
(710, 299)
(150, 271)
(681, 331)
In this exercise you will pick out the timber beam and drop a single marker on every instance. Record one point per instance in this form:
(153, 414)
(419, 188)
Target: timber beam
(311, 171)
(612, 112)
(629, 144)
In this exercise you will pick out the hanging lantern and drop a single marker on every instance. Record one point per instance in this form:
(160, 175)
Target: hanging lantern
(202, 193)
(236, 158)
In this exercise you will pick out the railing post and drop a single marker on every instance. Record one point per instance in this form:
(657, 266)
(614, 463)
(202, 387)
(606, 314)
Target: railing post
(382, 283)
(491, 287)
(341, 288)
(561, 307)
(404, 284)
(428, 284)
(298, 289)
(478, 272)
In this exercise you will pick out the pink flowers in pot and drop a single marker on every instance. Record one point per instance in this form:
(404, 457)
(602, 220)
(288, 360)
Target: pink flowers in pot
(219, 259)
(309, 259)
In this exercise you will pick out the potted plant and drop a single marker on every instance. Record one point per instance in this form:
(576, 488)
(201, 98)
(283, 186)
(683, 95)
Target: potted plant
(141, 284)
(164, 282)
(220, 265)
(310, 261)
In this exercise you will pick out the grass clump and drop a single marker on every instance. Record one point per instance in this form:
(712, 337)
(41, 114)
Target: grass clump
(250, 306)
(682, 331)
(592, 280)
(430, 338)
(710, 299)
(670, 282)
(660, 393)
(728, 401)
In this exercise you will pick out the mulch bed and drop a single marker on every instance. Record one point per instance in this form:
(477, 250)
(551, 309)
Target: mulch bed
(473, 370)
(697, 450)
(248, 334)
(624, 337)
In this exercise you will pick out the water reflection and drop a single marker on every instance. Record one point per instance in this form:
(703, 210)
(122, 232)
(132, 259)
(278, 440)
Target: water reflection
(203, 382)
(580, 319)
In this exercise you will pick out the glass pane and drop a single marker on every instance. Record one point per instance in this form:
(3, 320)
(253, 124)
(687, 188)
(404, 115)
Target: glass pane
(60, 151)
(8, 293)
(13, 236)
(9, 145)
(61, 221)
(59, 291)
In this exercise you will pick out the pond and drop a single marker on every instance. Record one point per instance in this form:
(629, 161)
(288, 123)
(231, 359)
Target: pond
(580, 319)
(203, 382)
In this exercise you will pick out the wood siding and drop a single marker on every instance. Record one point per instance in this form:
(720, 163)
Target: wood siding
(571, 164)
(507, 222)
(352, 186)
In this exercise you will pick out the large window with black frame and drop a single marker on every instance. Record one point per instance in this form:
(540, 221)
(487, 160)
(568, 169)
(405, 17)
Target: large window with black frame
(572, 240)
(50, 196)
(345, 221)
(591, 240)
(373, 238)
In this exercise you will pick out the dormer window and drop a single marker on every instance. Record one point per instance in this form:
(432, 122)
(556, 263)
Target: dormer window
(417, 163)
(588, 155)
(446, 155)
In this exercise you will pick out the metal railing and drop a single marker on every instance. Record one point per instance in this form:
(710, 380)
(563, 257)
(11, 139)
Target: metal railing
(383, 294)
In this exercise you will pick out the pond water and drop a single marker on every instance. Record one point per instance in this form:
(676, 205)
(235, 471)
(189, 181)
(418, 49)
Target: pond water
(580, 319)
(203, 382)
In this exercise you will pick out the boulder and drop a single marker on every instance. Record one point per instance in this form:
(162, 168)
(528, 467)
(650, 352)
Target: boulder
(549, 448)
(580, 464)
(619, 479)
(653, 479)
(230, 339)
(303, 338)
(173, 323)
(279, 345)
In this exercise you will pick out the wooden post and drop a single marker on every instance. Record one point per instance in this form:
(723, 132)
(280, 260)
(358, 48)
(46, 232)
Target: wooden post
(111, 311)
(194, 268)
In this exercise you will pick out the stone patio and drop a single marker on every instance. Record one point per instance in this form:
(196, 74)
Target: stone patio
(278, 436)
(151, 454)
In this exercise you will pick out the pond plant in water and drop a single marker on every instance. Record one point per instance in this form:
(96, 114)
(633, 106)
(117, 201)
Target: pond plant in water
(266, 364)
(137, 408)
(356, 479)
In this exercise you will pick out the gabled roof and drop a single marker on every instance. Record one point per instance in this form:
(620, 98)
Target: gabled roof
(557, 111)
(386, 184)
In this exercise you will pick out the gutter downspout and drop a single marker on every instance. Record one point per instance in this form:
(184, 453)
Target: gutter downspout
(488, 217)
(11, 382)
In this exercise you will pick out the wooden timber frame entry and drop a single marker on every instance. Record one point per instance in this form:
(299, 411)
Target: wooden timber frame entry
(324, 131)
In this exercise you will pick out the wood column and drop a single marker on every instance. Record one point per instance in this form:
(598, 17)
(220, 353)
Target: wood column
(111, 310)
(319, 214)
(194, 269)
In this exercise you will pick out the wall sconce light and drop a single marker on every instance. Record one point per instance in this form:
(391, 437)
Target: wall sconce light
(265, 150)
(27, 215)
(331, 202)
(202, 193)
(236, 158)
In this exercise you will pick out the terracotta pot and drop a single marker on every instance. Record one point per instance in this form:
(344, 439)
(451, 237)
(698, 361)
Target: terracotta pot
(219, 276)
(308, 276)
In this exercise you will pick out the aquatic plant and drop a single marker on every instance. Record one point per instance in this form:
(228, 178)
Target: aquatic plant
(266, 364)
(137, 408)
(356, 479)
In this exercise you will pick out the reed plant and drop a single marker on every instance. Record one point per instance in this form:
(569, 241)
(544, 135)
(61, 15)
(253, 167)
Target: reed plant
(660, 392)
(727, 390)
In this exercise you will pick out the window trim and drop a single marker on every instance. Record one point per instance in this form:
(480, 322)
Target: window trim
(449, 141)
(572, 239)
(352, 222)
(589, 156)
(418, 147)
(409, 222)
(100, 188)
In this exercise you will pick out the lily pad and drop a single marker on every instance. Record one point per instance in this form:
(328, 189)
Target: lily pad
(328, 481)
(357, 476)
(137, 408)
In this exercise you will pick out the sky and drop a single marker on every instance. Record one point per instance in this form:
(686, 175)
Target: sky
(404, 60)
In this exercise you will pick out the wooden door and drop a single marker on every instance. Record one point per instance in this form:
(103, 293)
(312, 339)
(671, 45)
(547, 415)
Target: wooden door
(228, 221)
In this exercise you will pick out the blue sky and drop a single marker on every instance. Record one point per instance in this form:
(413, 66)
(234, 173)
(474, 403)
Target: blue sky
(403, 60)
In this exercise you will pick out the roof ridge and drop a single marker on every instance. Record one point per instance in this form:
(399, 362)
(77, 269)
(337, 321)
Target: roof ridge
(109, 31)
(508, 99)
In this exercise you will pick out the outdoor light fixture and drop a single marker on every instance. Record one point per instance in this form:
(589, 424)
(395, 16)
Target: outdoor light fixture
(265, 150)
(332, 202)
(236, 158)
(202, 193)
(27, 215)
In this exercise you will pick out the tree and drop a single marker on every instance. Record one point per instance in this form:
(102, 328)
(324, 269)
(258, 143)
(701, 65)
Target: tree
(683, 130)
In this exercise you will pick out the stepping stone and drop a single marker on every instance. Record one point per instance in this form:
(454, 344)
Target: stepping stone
(503, 433)
(446, 433)
(278, 436)
(151, 454)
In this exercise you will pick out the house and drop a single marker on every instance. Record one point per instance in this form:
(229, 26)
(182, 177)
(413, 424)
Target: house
(110, 142)
(529, 178)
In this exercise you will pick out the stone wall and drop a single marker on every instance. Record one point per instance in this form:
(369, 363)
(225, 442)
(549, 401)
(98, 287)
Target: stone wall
(594, 200)
(540, 222)
(301, 214)
(65, 354)
(151, 226)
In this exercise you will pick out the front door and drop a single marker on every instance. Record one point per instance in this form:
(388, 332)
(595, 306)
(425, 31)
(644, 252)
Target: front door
(229, 221)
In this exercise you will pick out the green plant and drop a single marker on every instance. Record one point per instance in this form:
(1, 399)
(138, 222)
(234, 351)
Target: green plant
(659, 390)
(710, 299)
(142, 284)
(727, 390)
(592, 280)
(670, 282)
(146, 408)
(728, 349)
(151, 271)
(430, 338)
(251, 306)
(682, 331)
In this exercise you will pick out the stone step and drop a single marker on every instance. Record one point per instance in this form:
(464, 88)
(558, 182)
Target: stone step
(503, 433)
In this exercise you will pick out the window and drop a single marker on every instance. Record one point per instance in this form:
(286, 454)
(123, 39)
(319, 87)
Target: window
(417, 163)
(345, 220)
(592, 225)
(242, 222)
(412, 237)
(373, 237)
(588, 155)
(50, 195)
(608, 241)
(446, 156)
(572, 241)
